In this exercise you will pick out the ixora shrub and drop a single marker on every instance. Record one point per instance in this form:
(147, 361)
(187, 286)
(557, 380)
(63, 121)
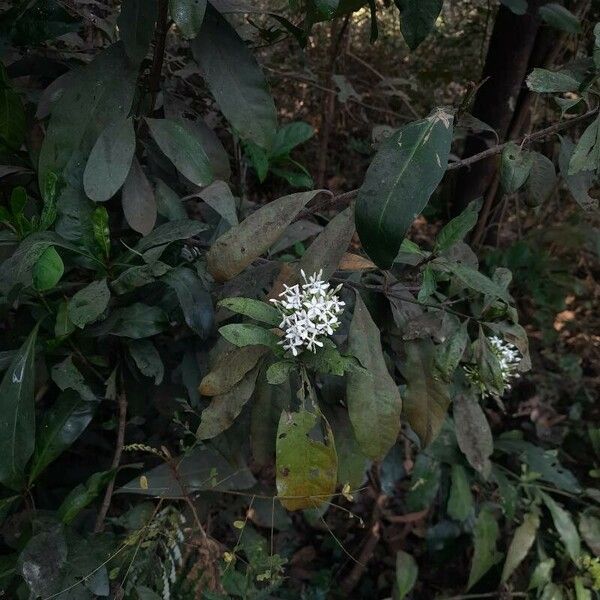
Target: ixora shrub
(172, 383)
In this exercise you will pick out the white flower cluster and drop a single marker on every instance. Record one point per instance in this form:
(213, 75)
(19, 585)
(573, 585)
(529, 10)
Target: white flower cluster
(309, 312)
(509, 358)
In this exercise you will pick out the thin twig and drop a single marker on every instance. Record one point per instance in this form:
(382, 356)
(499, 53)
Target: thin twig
(122, 398)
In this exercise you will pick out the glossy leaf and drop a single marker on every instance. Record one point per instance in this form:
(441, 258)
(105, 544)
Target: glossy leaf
(139, 203)
(399, 182)
(235, 80)
(17, 413)
(188, 15)
(306, 468)
(485, 555)
(239, 246)
(89, 303)
(225, 408)
(520, 545)
(110, 160)
(473, 433)
(183, 149)
(289, 136)
(59, 429)
(427, 398)
(374, 402)
(417, 19)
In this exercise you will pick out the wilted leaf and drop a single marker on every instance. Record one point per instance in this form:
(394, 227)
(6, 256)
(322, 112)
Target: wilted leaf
(225, 408)
(399, 182)
(240, 245)
(235, 80)
(565, 527)
(61, 425)
(473, 433)
(17, 413)
(183, 149)
(110, 160)
(427, 398)
(230, 368)
(374, 402)
(406, 574)
(139, 203)
(306, 468)
(520, 544)
(485, 554)
(89, 303)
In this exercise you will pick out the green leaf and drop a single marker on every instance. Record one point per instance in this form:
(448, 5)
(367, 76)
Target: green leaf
(136, 321)
(327, 8)
(219, 197)
(12, 118)
(183, 149)
(450, 353)
(460, 500)
(518, 7)
(279, 372)
(259, 159)
(417, 19)
(202, 468)
(596, 52)
(67, 376)
(235, 80)
(63, 325)
(477, 281)
(170, 232)
(565, 527)
(473, 433)
(485, 555)
(101, 231)
(550, 82)
(48, 270)
(17, 413)
(589, 528)
(399, 182)
(542, 574)
(560, 18)
(374, 402)
(230, 368)
(427, 398)
(306, 468)
(541, 181)
(328, 359)
(515, 167)
(289, 136)
(88, 304)
(188, 15)
(241, 245)
(83, 495)
(139, 203)
(246, 334)
(168, 203)
(456, 229)
(96, 95)
(520, 545)
(194, 300)
(147, 359)
(225, 408)
(424, 483)
(109, 161)
(586, 156)
(255, 309)
(136, 26)
(406, 574)
(580, 183)
(61, 425)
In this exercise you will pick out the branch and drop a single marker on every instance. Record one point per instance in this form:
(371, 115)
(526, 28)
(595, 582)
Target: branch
(116, 460)
(158, 56)
(346, 197)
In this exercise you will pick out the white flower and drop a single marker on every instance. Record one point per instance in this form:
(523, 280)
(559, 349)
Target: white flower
(508, 357)
(309, 312)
